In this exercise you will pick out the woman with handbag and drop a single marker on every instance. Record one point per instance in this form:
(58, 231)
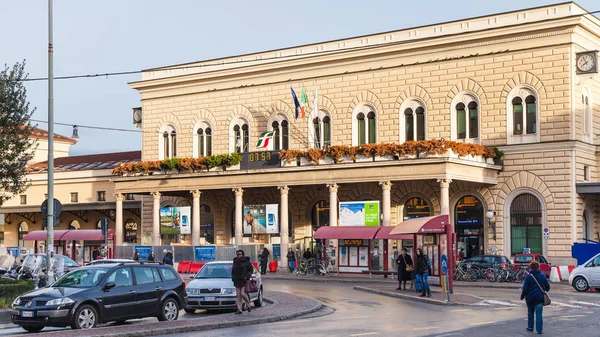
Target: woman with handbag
(241, 272)
(535, 288)
(405, 268)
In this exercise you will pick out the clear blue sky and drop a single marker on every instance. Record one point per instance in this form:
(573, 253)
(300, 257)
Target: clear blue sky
(109, 36)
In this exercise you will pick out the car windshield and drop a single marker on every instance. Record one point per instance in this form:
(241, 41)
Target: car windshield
(215, 270)
(523, 258)
(81, 278)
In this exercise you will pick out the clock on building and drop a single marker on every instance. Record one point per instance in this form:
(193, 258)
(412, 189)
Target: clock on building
(587, 62)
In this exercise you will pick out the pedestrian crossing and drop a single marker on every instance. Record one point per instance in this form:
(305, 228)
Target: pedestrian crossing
(557, 304)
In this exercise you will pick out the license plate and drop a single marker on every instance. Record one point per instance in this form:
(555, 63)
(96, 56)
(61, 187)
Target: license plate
(26, 313)
(209, 299)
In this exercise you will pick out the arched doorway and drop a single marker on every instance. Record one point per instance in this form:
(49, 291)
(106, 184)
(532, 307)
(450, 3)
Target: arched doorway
(526, 224)
(23, 230)
(131, 230)
(319, 217)
(416, 207)
(468, 225)
(207, 224)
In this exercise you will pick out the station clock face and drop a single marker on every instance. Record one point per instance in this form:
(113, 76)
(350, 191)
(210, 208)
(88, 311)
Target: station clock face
(587, 62)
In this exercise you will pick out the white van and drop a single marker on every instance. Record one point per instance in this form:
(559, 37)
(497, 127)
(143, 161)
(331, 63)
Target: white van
(587, 275)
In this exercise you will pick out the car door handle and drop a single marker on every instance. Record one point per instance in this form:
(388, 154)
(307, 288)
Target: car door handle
(158, 288)
(132, 292)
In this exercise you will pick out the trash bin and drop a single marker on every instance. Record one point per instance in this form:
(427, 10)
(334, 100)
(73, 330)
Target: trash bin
(273, 266)
(255, 264)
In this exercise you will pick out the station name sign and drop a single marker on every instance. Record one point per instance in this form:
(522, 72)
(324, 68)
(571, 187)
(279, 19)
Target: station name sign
(260, 160)
(353, 242)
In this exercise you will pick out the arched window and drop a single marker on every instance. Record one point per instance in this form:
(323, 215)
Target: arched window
(319, 130)
(416, 207)
(203, 140)
(587, 116)
(207, 224)
(523, 117)
(239, 136)
(167, 143)
(131, 230)
(465, 118)
(526, 224)
(364, 125)
(279, 124)
(74, 225)
(413, 121)
(23, 230)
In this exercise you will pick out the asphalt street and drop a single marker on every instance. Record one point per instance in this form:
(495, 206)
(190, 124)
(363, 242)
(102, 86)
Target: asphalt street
(357, 313)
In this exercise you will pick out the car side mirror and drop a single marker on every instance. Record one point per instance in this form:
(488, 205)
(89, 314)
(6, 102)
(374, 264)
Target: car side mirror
(108, 286)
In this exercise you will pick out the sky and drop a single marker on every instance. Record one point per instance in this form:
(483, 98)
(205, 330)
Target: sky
(92, 37)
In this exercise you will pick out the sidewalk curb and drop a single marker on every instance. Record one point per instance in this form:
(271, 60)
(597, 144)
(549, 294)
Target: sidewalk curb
(406, 297)
(212, 326)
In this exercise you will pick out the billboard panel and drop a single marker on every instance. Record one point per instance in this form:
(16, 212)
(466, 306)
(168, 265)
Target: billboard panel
(359, 213)
(261, 219)
(175, 220)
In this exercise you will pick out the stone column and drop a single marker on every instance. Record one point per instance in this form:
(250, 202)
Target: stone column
(284, 225)
(239, 231)
(156, 219)
(444, 196)
(386, 204)
(333, 209)
(119, 219)
(196, 217)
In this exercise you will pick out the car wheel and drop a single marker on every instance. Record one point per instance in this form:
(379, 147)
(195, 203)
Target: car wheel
(169, 311)
(85, 317)
(33, 328)
(580, 284)
(189, 311)
(258, 302)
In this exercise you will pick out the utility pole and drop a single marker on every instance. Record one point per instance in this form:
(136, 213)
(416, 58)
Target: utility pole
(50, 221)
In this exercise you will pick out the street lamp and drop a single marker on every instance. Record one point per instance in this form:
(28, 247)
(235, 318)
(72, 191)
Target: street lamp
(492, 223)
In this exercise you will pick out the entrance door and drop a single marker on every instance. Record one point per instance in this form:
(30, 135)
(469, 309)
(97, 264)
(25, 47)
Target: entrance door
(468, 224)
(526, 224)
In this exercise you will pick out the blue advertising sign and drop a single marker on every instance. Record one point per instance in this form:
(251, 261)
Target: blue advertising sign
(205, 253)
(276, 250)
(14, 251)
(444, 264)
(144, 251)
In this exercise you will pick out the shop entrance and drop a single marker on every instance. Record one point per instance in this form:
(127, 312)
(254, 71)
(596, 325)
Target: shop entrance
(468, 224)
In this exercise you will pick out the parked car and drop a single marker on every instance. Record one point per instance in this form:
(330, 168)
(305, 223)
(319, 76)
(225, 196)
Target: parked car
(108, 261)
(523, 260)
(212, 288)
(6, 263)
(103, 293)
(587, 275)
(486, 261)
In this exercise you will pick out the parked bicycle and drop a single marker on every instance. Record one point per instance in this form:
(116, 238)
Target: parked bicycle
(305, 267)
(328, 267)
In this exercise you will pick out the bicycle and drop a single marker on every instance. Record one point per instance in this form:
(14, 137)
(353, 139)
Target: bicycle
(329, 268)
(460, 273)
(304, 267)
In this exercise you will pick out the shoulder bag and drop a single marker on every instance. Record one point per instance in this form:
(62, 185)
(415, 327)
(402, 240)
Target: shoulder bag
(547, 300)
(408, 268)
(251, 286)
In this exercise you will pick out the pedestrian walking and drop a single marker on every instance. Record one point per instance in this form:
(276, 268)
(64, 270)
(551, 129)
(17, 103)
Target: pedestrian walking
(241, 272)
(291, 257)
(168, 259)
(151, 257)
(263, 257)
(535, 286)
(423, 269)
(136, 256)
(95, 254)
(405, 268)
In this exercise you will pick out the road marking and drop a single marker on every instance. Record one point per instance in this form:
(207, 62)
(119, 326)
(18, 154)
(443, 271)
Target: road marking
(365, 334)
(572, 316)
(355, 317)
(460, 310)
(508, 308)
(560, 304)
(481, 323)
(585, 303)
(426, 328)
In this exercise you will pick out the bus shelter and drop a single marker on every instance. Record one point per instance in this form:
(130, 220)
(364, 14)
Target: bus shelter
(88, 237)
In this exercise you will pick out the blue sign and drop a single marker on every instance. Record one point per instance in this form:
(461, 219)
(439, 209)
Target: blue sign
(144, 251)
(444, 264)
(276, 250)
(205, 253)
(14, 251)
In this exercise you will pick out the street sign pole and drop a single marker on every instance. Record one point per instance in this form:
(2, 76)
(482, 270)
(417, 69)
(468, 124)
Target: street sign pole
(50, 226)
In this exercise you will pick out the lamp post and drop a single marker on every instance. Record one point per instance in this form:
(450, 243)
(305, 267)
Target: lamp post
(50, 221)
(492, 223)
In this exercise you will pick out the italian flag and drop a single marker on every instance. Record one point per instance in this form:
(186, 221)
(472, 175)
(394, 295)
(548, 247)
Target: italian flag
(264, 139)
(303, 100)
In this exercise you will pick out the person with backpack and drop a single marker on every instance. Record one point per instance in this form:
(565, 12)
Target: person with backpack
(423, 269)
(168, 259)
(535, 286)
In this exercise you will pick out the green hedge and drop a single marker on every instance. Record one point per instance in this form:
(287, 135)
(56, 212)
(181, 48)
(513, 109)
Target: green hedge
(11, 289)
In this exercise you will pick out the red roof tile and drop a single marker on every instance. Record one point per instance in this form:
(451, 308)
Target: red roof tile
(99, 161)
(38, 133)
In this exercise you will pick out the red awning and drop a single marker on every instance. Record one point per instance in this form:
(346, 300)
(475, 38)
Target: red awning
(68, 235)
(426, 225)
(86, 235)
(42, 236)
(384, 233)
(346, 232)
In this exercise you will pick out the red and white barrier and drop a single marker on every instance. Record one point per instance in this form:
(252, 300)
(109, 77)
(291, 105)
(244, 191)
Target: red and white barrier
(559, 273)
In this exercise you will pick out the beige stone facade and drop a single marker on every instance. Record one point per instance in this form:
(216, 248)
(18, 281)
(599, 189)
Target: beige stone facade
(490, 59)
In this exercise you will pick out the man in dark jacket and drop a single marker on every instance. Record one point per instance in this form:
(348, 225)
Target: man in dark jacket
(168, 259)
(533, 293)
(241, 272)
(263, 257)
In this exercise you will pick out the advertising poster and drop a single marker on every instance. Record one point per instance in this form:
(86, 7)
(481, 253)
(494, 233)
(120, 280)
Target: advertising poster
(205, 253)
(261, 219)
(143, 251)
(359, 213)
(175, 220)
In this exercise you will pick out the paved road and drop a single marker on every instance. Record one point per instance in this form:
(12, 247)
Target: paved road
(363, 314)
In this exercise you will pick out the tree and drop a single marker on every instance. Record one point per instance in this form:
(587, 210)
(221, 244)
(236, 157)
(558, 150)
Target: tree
(16, 149)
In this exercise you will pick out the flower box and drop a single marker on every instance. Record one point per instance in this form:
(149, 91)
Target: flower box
(285, 163)
(361, 158)
(306, 162)
(386, 157)
(326, 161)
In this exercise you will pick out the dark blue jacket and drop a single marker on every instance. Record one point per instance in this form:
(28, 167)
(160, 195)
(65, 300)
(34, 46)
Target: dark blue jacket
(531, 292)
